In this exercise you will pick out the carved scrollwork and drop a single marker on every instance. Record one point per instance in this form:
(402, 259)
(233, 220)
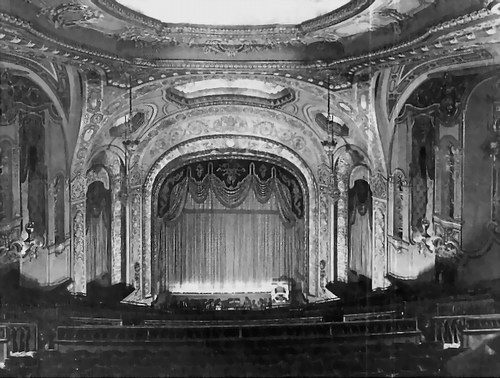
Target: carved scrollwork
(327, 183)
(78, 188)
(446, 241)
(71, 14)
(98, 174)
(379, 186)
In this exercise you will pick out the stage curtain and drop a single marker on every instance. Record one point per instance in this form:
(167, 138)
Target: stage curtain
(360, 229)
(98, 233)
(230, 196)
(213, 247)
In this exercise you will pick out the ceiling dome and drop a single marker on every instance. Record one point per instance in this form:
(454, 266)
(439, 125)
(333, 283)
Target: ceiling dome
(233, 12)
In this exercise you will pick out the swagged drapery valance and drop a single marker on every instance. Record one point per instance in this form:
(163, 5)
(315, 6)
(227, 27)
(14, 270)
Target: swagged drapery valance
(231, 181)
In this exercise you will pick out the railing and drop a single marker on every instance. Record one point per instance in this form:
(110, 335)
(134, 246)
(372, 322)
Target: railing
(382, 315)
(137, 334)
(482, 322)
(167, 322)
(466, 307)
(448, 329)
(95, 321)
(3, 343)
(375, 327)
(480, 328)
(21, 337)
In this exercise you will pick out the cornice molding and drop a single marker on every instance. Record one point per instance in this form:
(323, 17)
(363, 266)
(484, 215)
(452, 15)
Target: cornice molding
(190, 31)
(428, 45)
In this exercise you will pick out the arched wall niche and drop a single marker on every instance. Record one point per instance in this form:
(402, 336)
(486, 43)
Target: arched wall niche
(480, 240)
(45, 87)
(351, 163)
(360, 224)
(426, 145)
(105, 166)
(417, 81)
(235, 155)
(204, 148)
(342, 167)
(359, 172)
(36, 120)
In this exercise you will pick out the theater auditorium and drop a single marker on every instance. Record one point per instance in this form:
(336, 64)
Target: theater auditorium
(249, 188)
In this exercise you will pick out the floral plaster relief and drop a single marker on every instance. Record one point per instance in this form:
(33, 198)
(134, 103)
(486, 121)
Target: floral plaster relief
(233, 120)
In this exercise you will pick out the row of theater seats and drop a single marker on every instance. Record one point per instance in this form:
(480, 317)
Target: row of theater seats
(243, 359)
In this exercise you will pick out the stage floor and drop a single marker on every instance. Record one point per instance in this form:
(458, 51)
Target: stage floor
(228, 300)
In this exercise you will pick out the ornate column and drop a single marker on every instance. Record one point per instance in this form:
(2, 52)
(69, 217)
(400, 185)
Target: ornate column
(16, 200)
(116, 229)
(406, 209)
(137, 262)
(438, 180)
(342, 245)
(328, 195)
(79, 267)
(458, 154)
(51, 191)
(379, 186)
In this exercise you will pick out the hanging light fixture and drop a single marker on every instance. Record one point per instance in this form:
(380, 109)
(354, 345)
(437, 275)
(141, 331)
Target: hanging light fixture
(335, 130)
(330, 144)
(129, 143)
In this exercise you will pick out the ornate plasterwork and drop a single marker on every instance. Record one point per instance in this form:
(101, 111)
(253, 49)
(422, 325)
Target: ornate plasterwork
(379, 186)
(448, 240)
(79, 184)
(110, 174)
(79, 261)
(224, 120)
(343, 169)
(98, 174)
(379, 259)
(57, 80)
(243, 146)
(91, 121)
(71, 14)
(403, 81)
(152, 30)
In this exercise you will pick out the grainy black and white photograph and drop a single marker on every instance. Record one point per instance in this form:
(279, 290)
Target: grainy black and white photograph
(249, 188)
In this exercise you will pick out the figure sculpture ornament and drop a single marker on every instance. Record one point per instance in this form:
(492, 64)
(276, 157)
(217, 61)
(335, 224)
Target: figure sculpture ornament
(422, 238)
(25, 248)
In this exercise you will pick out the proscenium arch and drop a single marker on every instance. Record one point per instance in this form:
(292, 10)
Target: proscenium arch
(198, 148)
(287, 130)
(187, 159)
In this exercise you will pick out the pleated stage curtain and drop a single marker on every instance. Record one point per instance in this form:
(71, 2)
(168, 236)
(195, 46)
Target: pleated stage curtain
(215, 249)
(98, 233)
(217, 235)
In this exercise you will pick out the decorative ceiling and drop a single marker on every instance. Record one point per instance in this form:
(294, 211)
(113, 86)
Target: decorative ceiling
(233, 12)
(338, 47)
